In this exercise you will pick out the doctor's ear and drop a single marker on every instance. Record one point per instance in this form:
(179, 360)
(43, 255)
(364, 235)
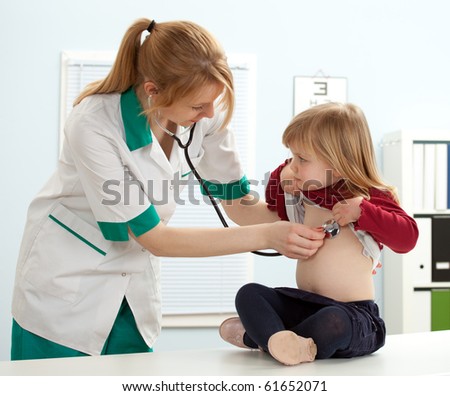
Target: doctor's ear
(150, 88)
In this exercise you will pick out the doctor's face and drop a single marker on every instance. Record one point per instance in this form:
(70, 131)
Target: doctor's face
(193, 108)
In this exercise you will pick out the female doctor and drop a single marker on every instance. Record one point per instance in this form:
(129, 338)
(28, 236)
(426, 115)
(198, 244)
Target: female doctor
(88, 274)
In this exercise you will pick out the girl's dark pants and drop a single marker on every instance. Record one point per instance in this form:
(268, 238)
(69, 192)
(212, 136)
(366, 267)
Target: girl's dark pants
(338, 329)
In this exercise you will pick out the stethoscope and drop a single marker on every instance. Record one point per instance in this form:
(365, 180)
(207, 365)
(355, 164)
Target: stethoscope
(330, 228)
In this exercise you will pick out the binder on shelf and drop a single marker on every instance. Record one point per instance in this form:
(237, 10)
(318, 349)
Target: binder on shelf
(429, 176)
(440, 310)
(441, 173)
(440, 248)
(417, 180)
(421, 320)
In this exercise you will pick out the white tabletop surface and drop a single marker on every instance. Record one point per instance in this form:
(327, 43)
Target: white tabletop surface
(407, 354)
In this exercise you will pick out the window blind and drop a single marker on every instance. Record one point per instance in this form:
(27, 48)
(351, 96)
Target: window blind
(190, 286)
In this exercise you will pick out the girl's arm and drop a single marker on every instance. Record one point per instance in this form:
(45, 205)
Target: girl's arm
(381, 217)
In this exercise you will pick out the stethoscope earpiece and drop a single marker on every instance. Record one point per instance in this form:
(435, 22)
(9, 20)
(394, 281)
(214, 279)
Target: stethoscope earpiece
(331, 228)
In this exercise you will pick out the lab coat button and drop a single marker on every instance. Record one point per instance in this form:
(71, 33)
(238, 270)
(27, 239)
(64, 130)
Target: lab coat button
(124, 274)
(143, 250)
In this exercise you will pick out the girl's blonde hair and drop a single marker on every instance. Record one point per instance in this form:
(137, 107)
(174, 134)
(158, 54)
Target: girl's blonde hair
(179, 57)
(339, 135)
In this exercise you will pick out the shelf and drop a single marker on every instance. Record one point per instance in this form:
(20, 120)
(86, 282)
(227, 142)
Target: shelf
(434, 285)
(428, 213)
(406, 305)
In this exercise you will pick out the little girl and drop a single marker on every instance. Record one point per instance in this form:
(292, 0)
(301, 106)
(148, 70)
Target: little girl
(333, 177)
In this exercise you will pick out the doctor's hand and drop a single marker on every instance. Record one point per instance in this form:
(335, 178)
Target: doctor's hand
(294, 240)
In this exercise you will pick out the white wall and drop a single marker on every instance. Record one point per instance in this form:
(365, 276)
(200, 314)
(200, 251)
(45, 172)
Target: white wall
(394, 54)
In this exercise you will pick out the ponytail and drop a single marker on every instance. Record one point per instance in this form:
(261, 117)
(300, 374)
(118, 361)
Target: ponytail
(124, 72)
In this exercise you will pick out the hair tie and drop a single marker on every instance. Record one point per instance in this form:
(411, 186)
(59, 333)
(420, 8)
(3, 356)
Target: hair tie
(151, 26)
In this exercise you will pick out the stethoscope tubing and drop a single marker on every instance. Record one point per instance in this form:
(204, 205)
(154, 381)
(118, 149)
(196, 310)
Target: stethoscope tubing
(185, 148)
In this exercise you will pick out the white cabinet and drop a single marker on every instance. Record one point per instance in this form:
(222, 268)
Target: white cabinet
(413, 162)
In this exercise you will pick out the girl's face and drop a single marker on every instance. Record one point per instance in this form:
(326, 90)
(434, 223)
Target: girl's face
(191, 109)
(310, 172)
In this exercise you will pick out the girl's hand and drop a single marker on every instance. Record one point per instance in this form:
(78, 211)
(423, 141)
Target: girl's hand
(347, 211)
(295, 240)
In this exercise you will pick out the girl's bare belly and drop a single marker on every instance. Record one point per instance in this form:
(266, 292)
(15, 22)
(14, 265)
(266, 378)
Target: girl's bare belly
(338, 270)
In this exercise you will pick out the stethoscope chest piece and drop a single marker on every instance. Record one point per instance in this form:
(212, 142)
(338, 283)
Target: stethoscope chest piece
(331, 228)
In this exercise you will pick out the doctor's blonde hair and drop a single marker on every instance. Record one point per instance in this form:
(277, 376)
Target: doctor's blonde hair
(179, 57)
(339, 134)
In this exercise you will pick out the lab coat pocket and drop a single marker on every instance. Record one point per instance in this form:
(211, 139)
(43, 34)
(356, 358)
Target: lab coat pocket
(65, 250)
